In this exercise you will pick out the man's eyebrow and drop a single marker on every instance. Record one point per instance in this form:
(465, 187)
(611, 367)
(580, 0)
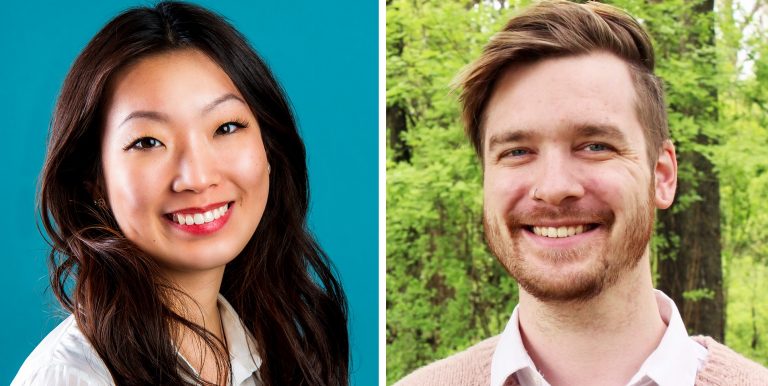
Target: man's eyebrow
(586, 130)
(514, 135)
(606, 131)
(160, 117)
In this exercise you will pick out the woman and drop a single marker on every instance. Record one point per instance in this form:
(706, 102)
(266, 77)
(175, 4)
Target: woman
(175, 196)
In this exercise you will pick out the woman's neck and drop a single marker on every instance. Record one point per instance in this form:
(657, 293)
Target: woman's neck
(199, 302)
(199, 305)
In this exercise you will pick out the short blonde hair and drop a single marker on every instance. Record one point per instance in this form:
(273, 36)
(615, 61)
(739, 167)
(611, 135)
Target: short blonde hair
(560, 28)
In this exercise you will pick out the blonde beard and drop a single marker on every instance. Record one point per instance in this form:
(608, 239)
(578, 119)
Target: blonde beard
(614, 259)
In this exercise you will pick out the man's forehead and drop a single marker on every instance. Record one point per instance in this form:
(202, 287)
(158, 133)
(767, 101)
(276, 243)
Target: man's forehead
(568, 92)
(586, 130)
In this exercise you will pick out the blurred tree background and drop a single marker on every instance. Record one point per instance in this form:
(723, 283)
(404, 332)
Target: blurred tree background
(445, 291)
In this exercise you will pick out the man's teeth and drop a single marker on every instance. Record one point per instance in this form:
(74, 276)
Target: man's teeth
(200, 218)
(557, 232)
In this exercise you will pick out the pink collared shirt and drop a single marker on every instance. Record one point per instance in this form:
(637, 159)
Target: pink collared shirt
(674, 362)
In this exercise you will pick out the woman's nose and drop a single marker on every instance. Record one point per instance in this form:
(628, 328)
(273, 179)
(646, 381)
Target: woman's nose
(198, 169)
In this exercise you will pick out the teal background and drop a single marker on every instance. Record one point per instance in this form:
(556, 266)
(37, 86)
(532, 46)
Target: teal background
(325, 56)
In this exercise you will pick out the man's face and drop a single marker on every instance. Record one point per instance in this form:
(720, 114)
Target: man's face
(569, 196)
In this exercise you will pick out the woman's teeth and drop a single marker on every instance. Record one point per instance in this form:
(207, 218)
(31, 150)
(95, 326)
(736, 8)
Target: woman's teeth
(200, 218)
(557, 232)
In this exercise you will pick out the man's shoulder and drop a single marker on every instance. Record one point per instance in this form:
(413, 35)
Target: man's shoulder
(469, 367)
(724, 366)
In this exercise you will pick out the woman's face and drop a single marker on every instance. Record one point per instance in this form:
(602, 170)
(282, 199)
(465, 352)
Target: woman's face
(184, 164)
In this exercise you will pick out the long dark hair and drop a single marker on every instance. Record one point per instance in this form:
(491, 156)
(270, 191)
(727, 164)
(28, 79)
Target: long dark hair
(281, 285)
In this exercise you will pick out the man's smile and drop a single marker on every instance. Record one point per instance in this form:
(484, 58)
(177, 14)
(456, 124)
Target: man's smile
(563, 233)
(560, 231)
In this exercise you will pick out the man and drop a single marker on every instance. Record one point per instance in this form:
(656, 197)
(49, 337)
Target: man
(569, 123)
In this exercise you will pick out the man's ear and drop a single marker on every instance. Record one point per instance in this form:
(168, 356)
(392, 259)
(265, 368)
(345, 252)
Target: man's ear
(665, 175)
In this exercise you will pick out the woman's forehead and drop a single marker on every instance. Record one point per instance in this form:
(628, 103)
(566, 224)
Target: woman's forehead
(179, 81)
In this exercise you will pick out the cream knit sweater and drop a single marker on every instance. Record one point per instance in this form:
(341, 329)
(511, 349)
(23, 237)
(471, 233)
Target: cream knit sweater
(472, 367)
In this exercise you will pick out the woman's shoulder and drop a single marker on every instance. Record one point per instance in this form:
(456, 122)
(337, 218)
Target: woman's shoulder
(64, 357)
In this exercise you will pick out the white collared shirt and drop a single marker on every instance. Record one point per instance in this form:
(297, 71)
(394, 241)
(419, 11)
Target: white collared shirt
(65, 357)
(674, 362)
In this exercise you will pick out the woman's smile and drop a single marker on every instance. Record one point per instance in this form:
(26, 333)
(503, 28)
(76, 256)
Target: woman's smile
(201, 221)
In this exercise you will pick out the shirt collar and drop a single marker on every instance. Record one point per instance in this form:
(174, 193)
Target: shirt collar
(242, 346)
(677, 358)
(674, 362)
(510, 355)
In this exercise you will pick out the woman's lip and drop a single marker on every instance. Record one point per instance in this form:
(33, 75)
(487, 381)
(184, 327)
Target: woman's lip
(204, 228)
(203, 209)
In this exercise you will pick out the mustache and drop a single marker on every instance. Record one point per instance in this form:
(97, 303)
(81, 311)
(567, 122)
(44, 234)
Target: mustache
(570, 213)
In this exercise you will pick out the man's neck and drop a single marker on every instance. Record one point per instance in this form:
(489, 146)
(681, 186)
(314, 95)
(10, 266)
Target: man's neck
(601, 341)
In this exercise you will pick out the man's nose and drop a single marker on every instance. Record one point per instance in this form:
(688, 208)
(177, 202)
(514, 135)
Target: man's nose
(198, 169)
(557, 180)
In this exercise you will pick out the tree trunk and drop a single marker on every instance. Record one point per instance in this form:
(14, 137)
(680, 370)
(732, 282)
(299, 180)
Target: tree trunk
(690, 266)
(397, 122)
(397, 125)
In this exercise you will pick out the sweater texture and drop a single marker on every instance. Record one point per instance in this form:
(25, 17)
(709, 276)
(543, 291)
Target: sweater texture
(472, 367)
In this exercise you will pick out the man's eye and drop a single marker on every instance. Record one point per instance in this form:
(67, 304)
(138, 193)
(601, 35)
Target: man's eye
(516, 153)
(229, 128)
(596, 147)
(144, 143)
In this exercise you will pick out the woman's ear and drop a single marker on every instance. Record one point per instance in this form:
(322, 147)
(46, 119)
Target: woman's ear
(92, 189)
(96, 193)
(665, 175)
(96, 188)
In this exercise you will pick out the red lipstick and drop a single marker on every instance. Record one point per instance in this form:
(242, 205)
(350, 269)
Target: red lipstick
(197, 214)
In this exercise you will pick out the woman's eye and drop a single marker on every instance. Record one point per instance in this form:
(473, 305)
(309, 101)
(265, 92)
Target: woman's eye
(229, 128)
(144, 143)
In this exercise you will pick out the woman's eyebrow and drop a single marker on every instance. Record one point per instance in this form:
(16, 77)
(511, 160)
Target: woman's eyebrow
(160, 117)
(220, 100)
(152, 115)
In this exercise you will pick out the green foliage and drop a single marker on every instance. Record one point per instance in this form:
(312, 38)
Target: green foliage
(445, 291)
(742, 161)
(748, 309)
(698, 294)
